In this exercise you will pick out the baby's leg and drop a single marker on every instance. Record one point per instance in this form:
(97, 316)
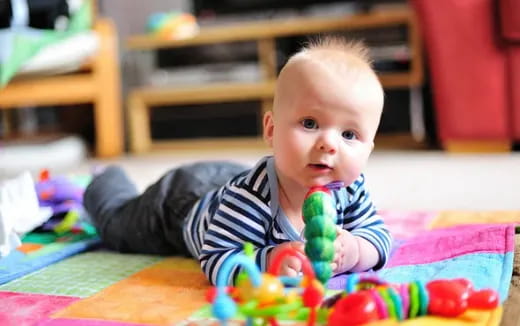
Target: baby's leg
(151, 222)
(126, 220)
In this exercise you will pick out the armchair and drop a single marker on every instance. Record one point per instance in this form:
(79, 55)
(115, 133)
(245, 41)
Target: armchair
(509, 16)
(473, 52)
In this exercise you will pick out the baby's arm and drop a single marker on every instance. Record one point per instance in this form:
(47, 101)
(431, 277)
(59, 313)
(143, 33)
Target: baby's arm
(364, 241)
(353, 253)
(241, 216)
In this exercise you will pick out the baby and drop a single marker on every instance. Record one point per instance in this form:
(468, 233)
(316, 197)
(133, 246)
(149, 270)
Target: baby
(326, 112)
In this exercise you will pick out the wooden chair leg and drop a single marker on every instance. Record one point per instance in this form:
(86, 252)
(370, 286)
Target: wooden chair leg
(477, 146)
(107, 105)
(7, 123)
(139, 124)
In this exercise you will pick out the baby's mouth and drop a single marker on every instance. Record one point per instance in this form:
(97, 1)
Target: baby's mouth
(320, 166)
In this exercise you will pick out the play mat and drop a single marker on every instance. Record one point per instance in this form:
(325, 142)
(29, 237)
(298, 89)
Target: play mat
(73, 281)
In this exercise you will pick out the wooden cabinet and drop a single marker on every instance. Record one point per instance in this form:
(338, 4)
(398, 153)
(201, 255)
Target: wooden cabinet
(97, 82)
(265, 34)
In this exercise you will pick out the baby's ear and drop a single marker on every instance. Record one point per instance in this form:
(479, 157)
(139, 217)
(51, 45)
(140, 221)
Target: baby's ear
(268, 128)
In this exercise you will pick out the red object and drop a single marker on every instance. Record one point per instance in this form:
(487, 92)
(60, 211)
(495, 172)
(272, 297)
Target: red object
(355, 309)
(273, 322)
(464, 282)
(312, 317)
(509, 19)
(484, 299)
(44, 175)
(447, 298)
(47, 194)
(450, 298)
(211, 293)
(317, 188)
(312, 296)
(274, 268)
(474, 67)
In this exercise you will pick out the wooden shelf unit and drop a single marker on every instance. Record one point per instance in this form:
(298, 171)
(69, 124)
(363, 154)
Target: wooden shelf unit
(264, 33)
(96, 82)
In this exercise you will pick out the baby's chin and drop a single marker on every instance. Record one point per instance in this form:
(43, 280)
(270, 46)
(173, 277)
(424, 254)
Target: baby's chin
(333, 182)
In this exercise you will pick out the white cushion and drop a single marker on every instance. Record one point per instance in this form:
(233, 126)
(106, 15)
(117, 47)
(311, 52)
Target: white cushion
(64, 56)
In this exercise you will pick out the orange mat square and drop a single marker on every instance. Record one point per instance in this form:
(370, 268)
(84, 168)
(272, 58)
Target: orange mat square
(161, 294)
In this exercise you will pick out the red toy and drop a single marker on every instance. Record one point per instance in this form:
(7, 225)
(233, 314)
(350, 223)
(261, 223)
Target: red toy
(369, 299)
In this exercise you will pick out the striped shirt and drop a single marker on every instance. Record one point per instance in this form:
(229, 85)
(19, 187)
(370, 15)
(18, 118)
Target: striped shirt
(246, 209)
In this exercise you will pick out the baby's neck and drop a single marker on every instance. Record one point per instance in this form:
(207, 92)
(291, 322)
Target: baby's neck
(291, 203)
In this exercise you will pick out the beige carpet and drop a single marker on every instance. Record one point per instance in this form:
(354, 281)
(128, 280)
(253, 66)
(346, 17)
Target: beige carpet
(398, 180)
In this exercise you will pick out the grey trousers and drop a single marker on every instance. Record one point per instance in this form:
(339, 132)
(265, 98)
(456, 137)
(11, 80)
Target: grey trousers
(151, 222)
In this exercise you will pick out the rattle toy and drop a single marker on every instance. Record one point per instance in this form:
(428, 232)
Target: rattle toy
(319, 215)
(368, 299)
(266, 296)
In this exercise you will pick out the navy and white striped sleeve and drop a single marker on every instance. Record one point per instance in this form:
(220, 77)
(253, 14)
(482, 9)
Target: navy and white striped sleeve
(362, 219)
(243, 216)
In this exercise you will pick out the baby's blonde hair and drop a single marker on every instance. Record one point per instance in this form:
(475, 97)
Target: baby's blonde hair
(332, 53)
(336, 44)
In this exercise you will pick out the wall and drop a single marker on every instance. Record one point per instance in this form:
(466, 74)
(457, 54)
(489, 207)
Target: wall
(131, 15)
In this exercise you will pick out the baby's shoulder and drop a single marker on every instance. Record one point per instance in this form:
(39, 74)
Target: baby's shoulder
(352, 194)
(255, 176)
(357, 185)
(252, 183)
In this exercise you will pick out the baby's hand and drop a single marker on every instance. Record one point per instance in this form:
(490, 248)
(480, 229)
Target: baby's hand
(346, 249)
(291, 266)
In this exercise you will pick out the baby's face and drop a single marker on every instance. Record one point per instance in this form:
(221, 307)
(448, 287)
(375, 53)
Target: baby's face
(323, 124)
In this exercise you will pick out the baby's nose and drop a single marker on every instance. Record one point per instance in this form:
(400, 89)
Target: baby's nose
(328, 143)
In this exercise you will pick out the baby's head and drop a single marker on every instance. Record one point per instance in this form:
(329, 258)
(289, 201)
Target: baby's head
(326, 112)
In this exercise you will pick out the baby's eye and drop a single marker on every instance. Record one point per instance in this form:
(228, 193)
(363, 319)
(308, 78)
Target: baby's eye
(309, 124)
(349, 135)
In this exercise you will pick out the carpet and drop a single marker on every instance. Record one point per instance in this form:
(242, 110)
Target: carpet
(100, 288)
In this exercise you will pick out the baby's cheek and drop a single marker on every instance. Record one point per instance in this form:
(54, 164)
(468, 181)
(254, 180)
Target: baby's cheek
(351, 170)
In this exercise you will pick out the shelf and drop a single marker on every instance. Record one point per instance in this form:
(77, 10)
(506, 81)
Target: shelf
(233, 92)
(400, 79)
(273, 29)
(56, 90)
(212, 93)
(265, 34)
(249, 143)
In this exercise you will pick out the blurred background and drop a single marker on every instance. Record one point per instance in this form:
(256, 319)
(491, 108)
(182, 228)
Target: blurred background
(150, 85)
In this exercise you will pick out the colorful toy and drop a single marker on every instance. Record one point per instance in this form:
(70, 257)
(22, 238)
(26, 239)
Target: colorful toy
(319, 215)
(58, 193)
(365, 299)
(368, 299)
(266, 296)
(172, 25)
(65, 198)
